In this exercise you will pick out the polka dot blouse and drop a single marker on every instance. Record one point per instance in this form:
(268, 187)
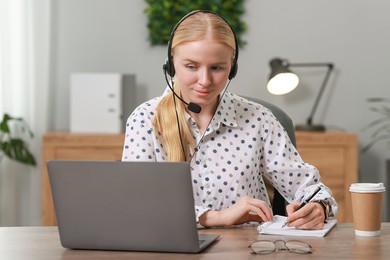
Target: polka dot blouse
(243, 144)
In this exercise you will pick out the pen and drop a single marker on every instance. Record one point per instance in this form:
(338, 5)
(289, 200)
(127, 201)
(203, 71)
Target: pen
(305, 202)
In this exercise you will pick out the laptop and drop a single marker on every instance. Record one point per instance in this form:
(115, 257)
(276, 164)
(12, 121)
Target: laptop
(134, 206)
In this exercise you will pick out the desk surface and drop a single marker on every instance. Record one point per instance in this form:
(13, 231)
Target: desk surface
(340, 243)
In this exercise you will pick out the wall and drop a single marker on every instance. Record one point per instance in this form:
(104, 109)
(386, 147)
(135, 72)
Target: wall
(111, 36)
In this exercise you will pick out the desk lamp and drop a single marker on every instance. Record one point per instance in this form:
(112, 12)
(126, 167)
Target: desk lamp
(282, 80)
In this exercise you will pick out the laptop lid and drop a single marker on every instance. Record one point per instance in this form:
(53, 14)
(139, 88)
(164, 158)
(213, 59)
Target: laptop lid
(137, 206)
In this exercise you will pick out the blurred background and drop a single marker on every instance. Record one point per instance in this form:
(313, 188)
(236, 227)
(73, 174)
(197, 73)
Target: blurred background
(61, 37)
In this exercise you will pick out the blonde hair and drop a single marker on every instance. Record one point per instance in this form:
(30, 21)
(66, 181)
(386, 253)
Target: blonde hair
(198, 26)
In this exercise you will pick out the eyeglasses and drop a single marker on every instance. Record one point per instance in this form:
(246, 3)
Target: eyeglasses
(268, 246)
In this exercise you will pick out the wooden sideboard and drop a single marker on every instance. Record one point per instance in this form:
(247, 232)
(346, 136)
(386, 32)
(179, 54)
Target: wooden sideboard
(67, 146)
(333, 153)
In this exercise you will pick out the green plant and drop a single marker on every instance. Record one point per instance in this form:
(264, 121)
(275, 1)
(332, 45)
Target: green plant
(164, 14)
(380, 126)
(14, 147)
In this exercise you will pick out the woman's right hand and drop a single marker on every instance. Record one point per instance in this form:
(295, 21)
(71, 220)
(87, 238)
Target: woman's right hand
(245, 210)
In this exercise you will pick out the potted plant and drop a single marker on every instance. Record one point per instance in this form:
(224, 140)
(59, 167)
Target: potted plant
(380, 126)
(164, 14)
(13, 146)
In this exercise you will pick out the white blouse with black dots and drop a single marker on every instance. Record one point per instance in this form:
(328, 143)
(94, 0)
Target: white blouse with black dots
(243, 143)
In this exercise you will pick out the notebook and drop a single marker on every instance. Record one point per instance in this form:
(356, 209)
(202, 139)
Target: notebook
(135, 206)
(275, 227)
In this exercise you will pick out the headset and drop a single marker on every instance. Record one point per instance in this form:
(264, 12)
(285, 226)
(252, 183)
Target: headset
(169, 68)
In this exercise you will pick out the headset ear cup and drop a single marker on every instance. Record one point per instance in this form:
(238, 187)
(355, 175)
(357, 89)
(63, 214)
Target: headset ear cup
(169, 68)
(172, 71)
(233, 71)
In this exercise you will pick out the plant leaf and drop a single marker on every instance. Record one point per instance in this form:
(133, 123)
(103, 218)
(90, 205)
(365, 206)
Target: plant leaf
(380, 127)
(375, 123)
(376, 99)
(4, 124)
(5, 128)
(16, 150)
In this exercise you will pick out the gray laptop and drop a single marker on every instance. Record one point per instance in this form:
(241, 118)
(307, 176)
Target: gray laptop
(136, 206)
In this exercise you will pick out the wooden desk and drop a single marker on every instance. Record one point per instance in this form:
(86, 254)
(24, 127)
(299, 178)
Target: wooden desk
(333, 153)
(341, 243)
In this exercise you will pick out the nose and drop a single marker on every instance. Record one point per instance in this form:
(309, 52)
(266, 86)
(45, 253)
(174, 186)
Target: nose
(204, 77)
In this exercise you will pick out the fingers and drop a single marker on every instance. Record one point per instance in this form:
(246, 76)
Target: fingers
(263, 211)
(259, 208)
(308, 223)
(246, 210)
(311, 216)
(291, 208)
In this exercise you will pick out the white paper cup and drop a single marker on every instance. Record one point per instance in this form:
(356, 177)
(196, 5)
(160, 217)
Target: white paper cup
(367, 199)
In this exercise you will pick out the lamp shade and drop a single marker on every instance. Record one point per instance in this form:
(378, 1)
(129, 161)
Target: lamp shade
(281, 79)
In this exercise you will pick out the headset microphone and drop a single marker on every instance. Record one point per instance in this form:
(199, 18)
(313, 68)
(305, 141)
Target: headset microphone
(191, 106)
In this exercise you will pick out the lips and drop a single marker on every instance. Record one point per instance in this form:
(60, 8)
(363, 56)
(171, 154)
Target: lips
(202, 92)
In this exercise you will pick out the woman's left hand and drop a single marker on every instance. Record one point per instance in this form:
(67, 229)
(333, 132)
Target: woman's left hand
(311, 216)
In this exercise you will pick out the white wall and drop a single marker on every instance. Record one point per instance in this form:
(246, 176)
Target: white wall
(111, 36)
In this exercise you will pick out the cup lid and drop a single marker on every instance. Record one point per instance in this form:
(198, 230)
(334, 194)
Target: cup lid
(367, 187)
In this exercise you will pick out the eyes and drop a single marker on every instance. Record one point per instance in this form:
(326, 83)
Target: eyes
(194, 67)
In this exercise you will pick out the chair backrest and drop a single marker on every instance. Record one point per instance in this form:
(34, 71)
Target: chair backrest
(278, 202)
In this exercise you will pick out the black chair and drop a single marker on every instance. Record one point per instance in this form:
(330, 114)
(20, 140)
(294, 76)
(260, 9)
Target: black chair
(278, 202)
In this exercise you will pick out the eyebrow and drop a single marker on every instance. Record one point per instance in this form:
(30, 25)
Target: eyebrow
(216, 63)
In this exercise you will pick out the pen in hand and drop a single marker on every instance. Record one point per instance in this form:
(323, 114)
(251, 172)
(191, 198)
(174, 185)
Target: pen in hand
(305, 202)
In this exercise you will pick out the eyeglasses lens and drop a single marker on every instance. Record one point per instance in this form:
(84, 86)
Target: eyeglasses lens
(263, 247)
(298, 247)
(266, 246)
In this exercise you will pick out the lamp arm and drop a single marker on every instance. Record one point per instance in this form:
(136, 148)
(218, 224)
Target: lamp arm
(310, 118)
(325, 81)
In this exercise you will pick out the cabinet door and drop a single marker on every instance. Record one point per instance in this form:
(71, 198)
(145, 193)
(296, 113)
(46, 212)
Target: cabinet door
(335, 156)
(330, 163)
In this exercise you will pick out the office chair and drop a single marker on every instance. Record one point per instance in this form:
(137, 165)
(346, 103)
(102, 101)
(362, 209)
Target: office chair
(278, 202)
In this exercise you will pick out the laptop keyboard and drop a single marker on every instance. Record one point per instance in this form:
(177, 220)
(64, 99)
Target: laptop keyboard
(201, 241)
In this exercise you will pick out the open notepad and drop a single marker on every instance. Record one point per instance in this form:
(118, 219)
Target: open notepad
(275, 227)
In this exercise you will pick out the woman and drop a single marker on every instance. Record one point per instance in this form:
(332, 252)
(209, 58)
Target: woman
(230, 142)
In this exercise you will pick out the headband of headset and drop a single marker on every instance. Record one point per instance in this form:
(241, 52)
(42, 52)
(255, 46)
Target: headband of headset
(169, 67)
